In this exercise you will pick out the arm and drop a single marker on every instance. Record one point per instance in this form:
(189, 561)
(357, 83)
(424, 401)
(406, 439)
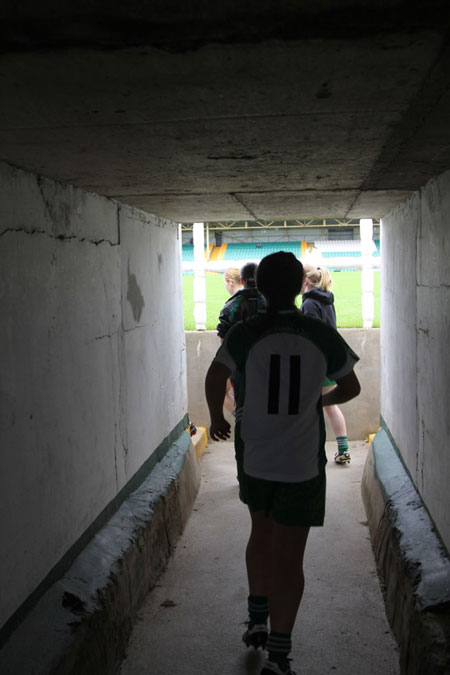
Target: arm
(226, 316)
(348, 387)
(223, 327)
(311, 308)
(215, 386)
(224, 324)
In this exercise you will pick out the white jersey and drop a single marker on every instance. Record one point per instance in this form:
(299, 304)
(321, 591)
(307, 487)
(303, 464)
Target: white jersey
(283, 359)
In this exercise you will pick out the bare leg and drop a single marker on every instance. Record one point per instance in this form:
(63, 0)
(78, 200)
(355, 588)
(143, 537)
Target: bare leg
(335, 415)
(288, 580)
(258, 555)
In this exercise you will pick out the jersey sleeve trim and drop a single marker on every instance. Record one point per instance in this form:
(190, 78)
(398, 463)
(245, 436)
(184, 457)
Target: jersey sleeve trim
(346, 368)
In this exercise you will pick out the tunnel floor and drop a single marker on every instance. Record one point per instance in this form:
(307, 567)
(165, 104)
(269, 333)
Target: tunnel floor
(193, 620)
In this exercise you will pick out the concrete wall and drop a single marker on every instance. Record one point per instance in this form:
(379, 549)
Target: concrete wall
(415, 332)
(93, 375)
(362, 414)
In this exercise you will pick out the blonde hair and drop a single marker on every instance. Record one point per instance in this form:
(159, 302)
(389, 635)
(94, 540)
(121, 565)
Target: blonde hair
(318, 277)
(233, 274)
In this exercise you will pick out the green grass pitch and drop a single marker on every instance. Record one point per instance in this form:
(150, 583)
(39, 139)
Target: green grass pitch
(346, 289)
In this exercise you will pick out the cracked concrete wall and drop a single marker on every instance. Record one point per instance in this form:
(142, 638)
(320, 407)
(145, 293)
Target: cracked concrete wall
(415, 332)
(93, 363)
(154, 374)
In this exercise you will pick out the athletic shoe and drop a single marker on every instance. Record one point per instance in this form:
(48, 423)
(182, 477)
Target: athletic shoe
(271, 668)
(342, 458)
(256, 636)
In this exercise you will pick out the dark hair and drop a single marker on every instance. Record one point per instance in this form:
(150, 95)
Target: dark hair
(280, 278)
(248, 274)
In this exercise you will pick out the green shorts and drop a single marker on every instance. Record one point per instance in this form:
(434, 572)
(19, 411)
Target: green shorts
(296, 504)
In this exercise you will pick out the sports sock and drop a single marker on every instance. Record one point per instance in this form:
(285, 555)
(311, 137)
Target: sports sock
(342, 443)
(258, 609)
(279, 646)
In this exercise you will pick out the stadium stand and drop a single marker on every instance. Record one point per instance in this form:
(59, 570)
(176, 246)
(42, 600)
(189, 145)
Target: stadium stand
(252, 251)
(337, 248)
(331, 248)
(333, 253)
(340, 254)
(219, 252)
(187, 252)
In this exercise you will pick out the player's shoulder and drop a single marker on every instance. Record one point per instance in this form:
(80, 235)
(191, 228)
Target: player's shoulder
(317, 325)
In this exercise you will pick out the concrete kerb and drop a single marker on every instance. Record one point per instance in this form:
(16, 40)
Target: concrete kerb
(82, 624)
(412, 562)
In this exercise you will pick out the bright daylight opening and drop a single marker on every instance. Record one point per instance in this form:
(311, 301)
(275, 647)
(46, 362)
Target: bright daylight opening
(349, 249)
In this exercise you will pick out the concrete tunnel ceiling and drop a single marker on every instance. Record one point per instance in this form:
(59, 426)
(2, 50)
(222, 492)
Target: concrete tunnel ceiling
(202, 112)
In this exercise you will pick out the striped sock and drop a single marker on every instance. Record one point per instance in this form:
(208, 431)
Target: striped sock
(279, 646)
(342, 443)
(258, 609)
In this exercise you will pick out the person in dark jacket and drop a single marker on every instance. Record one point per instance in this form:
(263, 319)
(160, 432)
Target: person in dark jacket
(244, 303)
(318, 301)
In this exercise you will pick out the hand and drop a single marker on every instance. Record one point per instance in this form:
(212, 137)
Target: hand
(220, 430)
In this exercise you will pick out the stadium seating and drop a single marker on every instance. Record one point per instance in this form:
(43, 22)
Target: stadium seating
(187, 252)
(257, 251)
(341, 254)
(327, 249)
(330, 248)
